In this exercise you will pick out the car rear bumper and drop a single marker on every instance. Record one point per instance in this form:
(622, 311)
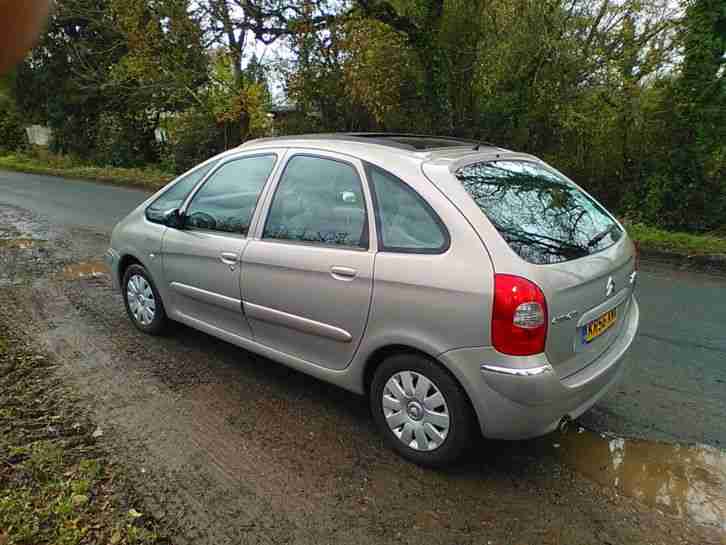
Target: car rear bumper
(518, 402)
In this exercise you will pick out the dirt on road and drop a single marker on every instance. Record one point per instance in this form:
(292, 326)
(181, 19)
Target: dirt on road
(224, 446)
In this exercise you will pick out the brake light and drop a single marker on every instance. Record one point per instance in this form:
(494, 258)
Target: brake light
(636, 244)
(519, 320)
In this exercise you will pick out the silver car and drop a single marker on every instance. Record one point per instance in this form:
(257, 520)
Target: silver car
(456, 284)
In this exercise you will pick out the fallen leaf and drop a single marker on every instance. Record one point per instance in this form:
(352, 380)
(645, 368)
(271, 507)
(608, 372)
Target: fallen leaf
(79, 499)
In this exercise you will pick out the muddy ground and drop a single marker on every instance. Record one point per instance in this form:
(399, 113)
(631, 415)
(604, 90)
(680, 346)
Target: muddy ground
(228, 447)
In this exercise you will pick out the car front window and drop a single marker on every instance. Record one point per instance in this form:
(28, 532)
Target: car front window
(227, 200)
(177, 193)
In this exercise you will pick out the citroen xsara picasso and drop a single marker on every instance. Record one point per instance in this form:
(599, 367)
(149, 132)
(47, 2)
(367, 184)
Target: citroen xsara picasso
(455, 284)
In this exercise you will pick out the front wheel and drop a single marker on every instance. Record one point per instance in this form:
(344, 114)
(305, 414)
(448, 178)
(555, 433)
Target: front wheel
(422, 410)
(143, 302)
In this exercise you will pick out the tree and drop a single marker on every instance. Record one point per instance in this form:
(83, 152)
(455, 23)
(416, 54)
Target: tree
(106, 71)
(65, 81)
(12, 135)
(230, 24)
(421, 23)
(688, 188)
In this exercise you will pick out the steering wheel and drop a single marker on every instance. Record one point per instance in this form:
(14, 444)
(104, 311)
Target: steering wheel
(202, 220)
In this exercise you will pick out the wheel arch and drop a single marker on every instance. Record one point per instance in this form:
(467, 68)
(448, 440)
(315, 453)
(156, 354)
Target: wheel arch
(379, 355)
(124, 263)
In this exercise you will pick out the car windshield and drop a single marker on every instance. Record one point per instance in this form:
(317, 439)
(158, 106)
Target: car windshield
(544, 217)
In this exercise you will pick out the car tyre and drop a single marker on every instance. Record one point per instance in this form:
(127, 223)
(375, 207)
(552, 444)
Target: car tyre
(422, 411)
(143, 302)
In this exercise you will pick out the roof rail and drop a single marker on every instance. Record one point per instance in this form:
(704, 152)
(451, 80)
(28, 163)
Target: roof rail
(405, 141)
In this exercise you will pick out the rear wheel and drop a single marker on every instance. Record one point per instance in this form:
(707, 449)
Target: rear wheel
(421, 410)
(143, 302)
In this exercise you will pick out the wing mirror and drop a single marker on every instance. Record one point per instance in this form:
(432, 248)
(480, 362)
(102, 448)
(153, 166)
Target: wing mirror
(174, 218)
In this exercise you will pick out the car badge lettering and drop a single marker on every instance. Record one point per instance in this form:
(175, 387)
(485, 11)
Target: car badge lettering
(565, 317)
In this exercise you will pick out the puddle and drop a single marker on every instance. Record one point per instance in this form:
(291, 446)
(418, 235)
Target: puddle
(682, 480)
(86, 269)
(18, 243)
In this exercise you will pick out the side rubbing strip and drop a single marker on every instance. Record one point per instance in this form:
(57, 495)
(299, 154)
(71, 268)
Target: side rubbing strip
(208, 297)
(299, 323)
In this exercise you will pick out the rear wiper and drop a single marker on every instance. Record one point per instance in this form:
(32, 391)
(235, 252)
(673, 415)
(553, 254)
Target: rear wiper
(601, 235)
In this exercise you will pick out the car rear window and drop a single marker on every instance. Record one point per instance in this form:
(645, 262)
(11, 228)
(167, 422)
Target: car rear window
(544, 217)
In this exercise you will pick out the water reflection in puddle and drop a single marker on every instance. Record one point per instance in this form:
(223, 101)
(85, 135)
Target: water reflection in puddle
(89, 269)
(680, 480)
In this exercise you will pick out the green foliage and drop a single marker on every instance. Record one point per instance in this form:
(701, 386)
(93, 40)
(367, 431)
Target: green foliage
(686, 187)
(654, 238)
(107, 70)
(628, 97)
(41, 161)
(125, 141)
(193, 137)
(12, 134)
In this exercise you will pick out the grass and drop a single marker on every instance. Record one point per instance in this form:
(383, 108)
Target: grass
(42, 162)
(653, 238)
(57, 483)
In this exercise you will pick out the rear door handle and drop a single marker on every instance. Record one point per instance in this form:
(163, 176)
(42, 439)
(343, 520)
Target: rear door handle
(229, 258)
(343, 273)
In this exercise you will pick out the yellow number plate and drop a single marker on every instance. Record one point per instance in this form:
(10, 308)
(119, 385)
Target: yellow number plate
(598, 326)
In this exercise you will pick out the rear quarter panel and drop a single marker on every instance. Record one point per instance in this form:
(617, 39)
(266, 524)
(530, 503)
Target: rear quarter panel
(432, 302)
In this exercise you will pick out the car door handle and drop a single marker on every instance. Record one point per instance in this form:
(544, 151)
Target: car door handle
(229, 258)
(343, 273)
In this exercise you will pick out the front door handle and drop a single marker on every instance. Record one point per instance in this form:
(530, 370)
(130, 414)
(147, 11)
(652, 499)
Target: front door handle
(229, 258)
(343, 273)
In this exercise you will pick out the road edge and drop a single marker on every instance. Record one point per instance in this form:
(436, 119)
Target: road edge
(708, 263)
(110, 180)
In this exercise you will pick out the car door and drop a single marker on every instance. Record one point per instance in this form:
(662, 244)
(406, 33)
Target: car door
(307, 276)
(201, 259)
(149, 242)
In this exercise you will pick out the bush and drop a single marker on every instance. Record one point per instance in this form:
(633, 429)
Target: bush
(125, 141)
(193, 137)
(12, 134)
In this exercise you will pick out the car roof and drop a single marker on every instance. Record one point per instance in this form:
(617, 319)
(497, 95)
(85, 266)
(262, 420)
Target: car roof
(422, 147)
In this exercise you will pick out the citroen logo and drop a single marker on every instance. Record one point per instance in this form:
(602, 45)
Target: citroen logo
(610, 287)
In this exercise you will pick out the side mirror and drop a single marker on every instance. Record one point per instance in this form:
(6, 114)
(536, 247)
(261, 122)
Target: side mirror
(173, 218)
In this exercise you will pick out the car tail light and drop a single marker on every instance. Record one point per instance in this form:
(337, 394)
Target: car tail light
(637, 255)
(519, 320)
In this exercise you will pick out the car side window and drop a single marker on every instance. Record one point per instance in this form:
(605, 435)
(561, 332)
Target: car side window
(228, 198)
(320, 201)
(406, 223)
(175, 196)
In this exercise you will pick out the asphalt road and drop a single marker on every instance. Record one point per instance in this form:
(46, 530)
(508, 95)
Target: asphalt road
(675, 386)
(70, 202)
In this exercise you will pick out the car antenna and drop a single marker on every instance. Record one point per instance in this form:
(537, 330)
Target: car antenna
(481, 143)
